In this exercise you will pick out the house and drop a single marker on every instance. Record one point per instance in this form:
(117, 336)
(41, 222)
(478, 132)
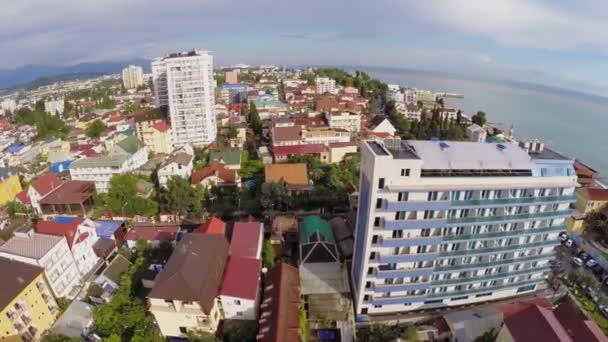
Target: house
(471, 324)
(286, 135)
(212, 226)
(80, 234)
(345, 120)
(283, 153)
(145, 118)
(590, 199)
(216, 174)
(184, 300)
(27, 306)
(231, 159)
(114, 230)
(476, 133)
(179, 164)
(381, 124)
(72, 198)
(41, 187)
(294, 175)
(239, 292)
(337, 152)
(247, 239)
(109, 280)
(586, 175)
(10, 185)
(154, 235)
(126, 156)
(284, 228)
(50, 252)
(157, 138)
(280, 305)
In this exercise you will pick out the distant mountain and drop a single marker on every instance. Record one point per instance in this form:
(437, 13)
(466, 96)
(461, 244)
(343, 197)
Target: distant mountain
(10, 78)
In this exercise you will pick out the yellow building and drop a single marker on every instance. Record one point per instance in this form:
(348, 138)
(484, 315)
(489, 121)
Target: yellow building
(9, 185)
(157, 138)
(28, 308)
(591, 199)
(576, 223)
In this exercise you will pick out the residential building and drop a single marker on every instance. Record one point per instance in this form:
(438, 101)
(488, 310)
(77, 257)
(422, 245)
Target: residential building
(239, 292)
(247, 239)
(132, 76)
(126, 156)
(425, 96)
(179, 164)
(280, 306)
(8, 105)
(455, 223)
(145, 118)
(231, 159)
(475, 133)
(325, 85)
(185, 294)
(410, 96)
(381, 124)
(10, 185)
(80, 235)
(72, 198)
(314, 135)
(153, 234)
(590, 199)
(212, 226)
(54, 105)
(27, 307)
(157, 138)
(234, 93)
(294, 175)
(109, 280)
(183, 82)
(348, 121)
(231, 77)
(586, 174)
(41, 187)
(216, 174)
(50, 252)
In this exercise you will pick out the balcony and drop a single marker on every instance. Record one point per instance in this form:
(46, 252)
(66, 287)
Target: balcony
(407, 242)
(492, 235)
(388, 259)
(503, 249)
(468, 280)
(414, 224)
(485, 289)
(416, 205)
(407, 272)
(26, 319)
(402, 287)
(508, 218)
(510, 201)
(503, 262)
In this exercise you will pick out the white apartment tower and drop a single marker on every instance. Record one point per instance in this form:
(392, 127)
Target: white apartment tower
(132, 76)
(444, 224)
(325, 85)
(184, 83)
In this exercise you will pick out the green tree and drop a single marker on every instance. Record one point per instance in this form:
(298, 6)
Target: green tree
(378, 333)
(14, 208)
(202, 336)
(178, 195)
(269, 254)
(243, 332)
(488, 336)
(274, 196)
(60, 338)
(479, 118)
(95, 128)
(122, 199)
(198, 196)
(456, 133)
(254, 119)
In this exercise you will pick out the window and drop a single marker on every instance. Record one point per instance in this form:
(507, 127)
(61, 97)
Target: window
(405, 172)
(364, 311)
(237, 302)
(239, 313)
(400, 215)
(370, 270)
(381, 183)
(378, 203)
(402, 197)
(183, 330)
(377, 222)
(372, 255)
(375, 239)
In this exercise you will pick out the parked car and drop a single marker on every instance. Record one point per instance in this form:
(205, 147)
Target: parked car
(563, 237)
(603, 310)
(583, 256)
(569, 243)
(590, 263)
(577, 261)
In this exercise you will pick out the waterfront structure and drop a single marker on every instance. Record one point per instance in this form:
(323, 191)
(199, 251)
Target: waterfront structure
(54, 105)
(50, 252)
(132, 76)
(445, 224)
(9, 185)
(325, 85)
(27, 307)
(183, 82)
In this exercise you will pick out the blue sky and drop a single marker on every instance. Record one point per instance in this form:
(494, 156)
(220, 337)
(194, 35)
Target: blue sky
(553, 42)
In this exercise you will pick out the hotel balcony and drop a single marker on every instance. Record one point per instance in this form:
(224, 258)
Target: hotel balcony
(510, 201)
(508, 218)
(478, 251)
(502, 262)
(495, 276)
(505, 234)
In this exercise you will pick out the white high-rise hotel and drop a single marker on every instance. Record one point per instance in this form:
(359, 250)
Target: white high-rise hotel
(132, 76)
(451, 223)
(184, 83)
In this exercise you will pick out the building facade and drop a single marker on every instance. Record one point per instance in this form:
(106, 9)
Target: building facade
(132, 76)
(325, 85)
(445, 224)
(184, 83)
(55, 105)
(10, 185)
(345, 120)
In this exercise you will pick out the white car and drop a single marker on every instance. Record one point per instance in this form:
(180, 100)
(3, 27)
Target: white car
(563, 237)
(568, 243)
(603, 310)
(577, 261)
(590, 263)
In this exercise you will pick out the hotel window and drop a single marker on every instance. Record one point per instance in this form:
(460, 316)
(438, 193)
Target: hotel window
(375, 239)
(455, 195)
(400, 215)
(433, 196)
(402, 196)
(381, 183)
(425, 232)
(397, 234)
(405, 172)
(429, 214)
(378, 203)
(377, 222)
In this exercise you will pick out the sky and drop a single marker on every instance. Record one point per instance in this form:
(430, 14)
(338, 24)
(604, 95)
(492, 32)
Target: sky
(555, 42)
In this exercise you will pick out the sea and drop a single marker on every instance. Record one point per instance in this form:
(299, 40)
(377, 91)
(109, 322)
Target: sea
(572, 123)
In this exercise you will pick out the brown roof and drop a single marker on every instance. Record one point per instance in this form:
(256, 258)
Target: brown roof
(15, 277)
(216, 168)
(194, 270)
(578, 327)
(71, 192)
(536, 323)
(295, 175)
(327, 103)
(281, 299)
(597, 194)
(45, 183)
(148, 114)
(288, 133)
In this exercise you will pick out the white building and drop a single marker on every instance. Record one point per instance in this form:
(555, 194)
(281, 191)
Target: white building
(132, 76)
(126, 156)
(8, 105)
(184, 83)
(444, 224)
(179, 164)
(54, 105)
(50, 252)
(476, 133)
(410, 96)
(325, 85)
(344, 120)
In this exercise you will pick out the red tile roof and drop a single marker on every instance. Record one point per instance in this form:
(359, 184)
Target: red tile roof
(576, 324)
(597, 194)
(241, 278)
(213, 226)
(153, 234)
(215, 169)
(245, 240)
(71, 192)
(536, 323)
(342, 144)
(161, 126)
(67, 229)
(298, 149)
(45, 183)
(24, 198)
(511, 309)
(280, 303)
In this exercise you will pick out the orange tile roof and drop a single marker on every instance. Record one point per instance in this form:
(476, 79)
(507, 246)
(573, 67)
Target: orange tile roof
(216, 168)
(213, 226)
(295, 175)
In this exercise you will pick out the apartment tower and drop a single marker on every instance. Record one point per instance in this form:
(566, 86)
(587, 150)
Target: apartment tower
(132, 76)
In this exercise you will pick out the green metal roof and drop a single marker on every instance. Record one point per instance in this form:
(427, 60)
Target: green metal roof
(311, 225)
(130, 144)
(115, 161)
(230, 157)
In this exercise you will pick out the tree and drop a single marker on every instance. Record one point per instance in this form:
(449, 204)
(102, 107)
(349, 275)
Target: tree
(254, 119)
(479, 118)
(14, 208)
(202, 336)
(269, 254)
(488, 336)
(378, 333)
(122, 199)
(178, 195)
(274, 196)
(455, 133)
(95, 129)
(243, 332)
(198, 196)
(60, 338)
